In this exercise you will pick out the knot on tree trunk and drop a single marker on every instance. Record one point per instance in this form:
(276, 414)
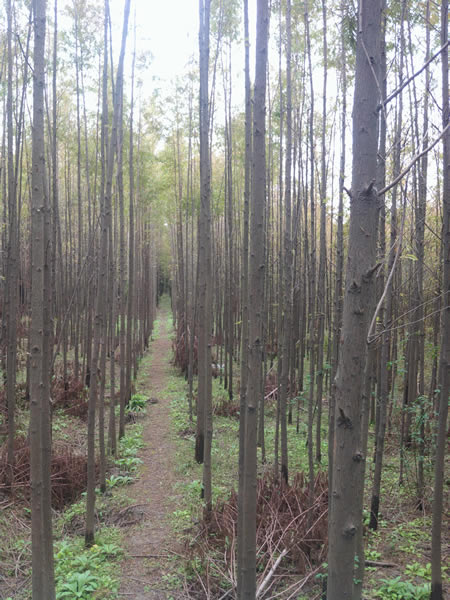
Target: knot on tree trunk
(349, 531)
(370, 192)
(354, 288)
(343, 420)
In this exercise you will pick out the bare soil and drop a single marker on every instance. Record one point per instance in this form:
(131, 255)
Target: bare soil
(149, 543)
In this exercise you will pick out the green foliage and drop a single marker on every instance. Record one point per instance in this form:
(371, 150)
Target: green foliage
(78, 585)
(132, 441)
(372, 555)
(406, 536)
(417, 570)
(80, 571)
(396, 589)
(129, 463)
(118, 480)
(137, 403)
(156, 327)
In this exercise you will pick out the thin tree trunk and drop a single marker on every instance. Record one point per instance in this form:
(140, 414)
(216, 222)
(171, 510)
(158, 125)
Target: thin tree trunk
(100, 307)
(321, 300)
(43, 587)
(244, 301)
(256, 293)
(436, 532)
(345, 518)
(339, 261)
(204, 410)
(12, 265)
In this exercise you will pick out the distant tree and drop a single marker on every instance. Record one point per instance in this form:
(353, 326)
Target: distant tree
(12, 252)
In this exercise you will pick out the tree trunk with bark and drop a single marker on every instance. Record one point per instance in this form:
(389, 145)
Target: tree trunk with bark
(256, 294)
(345, 518)
(43, 586)
(444, 388)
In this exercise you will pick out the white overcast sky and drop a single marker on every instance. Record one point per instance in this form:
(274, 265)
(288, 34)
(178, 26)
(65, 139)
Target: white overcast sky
(169, 30)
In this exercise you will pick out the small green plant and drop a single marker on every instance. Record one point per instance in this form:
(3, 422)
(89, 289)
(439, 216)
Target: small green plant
(396, 589)
(79, 585)
(132, 441)
(137, 403)
(80, 571)
(372, 555)
(129, 463)
(323, 575)
(417, 570)
(118, 480)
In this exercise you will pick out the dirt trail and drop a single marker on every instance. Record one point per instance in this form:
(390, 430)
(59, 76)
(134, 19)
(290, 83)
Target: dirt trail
(150, 539)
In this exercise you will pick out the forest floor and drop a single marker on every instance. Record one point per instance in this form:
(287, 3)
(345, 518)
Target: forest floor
(150, 543)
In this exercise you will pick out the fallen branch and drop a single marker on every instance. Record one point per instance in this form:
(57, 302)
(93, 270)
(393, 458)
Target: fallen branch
(149, 555)
(271, 393)
(376, 563)
(269, 575)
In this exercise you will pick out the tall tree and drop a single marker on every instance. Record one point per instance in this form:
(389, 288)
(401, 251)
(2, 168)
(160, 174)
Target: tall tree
(444, 388)
(321, 298)
(12, 254)
(286, 332)
(255, 306)
(349, 459)
(100, 322)
(337, 320)
(204, 408)
(43, 585)
(244, 294)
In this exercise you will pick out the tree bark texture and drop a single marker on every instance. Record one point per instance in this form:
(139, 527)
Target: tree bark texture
(255, 306)
(348, 464)
(444, 391)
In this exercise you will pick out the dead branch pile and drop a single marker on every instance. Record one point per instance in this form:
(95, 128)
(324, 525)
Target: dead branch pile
(286, 524)
(271, 388)
(224, 407)
(68, 473)
(71, 395)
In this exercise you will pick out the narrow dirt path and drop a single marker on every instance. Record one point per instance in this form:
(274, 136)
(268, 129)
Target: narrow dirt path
(150, 540)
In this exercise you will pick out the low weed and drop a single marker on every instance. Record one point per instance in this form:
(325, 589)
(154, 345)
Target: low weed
(396, 589)
(118, 480)
(82, 572)
(137, 403)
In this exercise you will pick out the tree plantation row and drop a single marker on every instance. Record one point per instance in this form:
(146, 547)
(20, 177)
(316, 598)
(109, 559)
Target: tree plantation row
(290, 190)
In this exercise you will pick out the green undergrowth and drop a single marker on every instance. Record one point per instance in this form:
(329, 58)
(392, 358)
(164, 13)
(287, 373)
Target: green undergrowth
(83, 573)
(407, 545)
(92, 572)
(88, 572)
(225, 450)
(403, 537)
